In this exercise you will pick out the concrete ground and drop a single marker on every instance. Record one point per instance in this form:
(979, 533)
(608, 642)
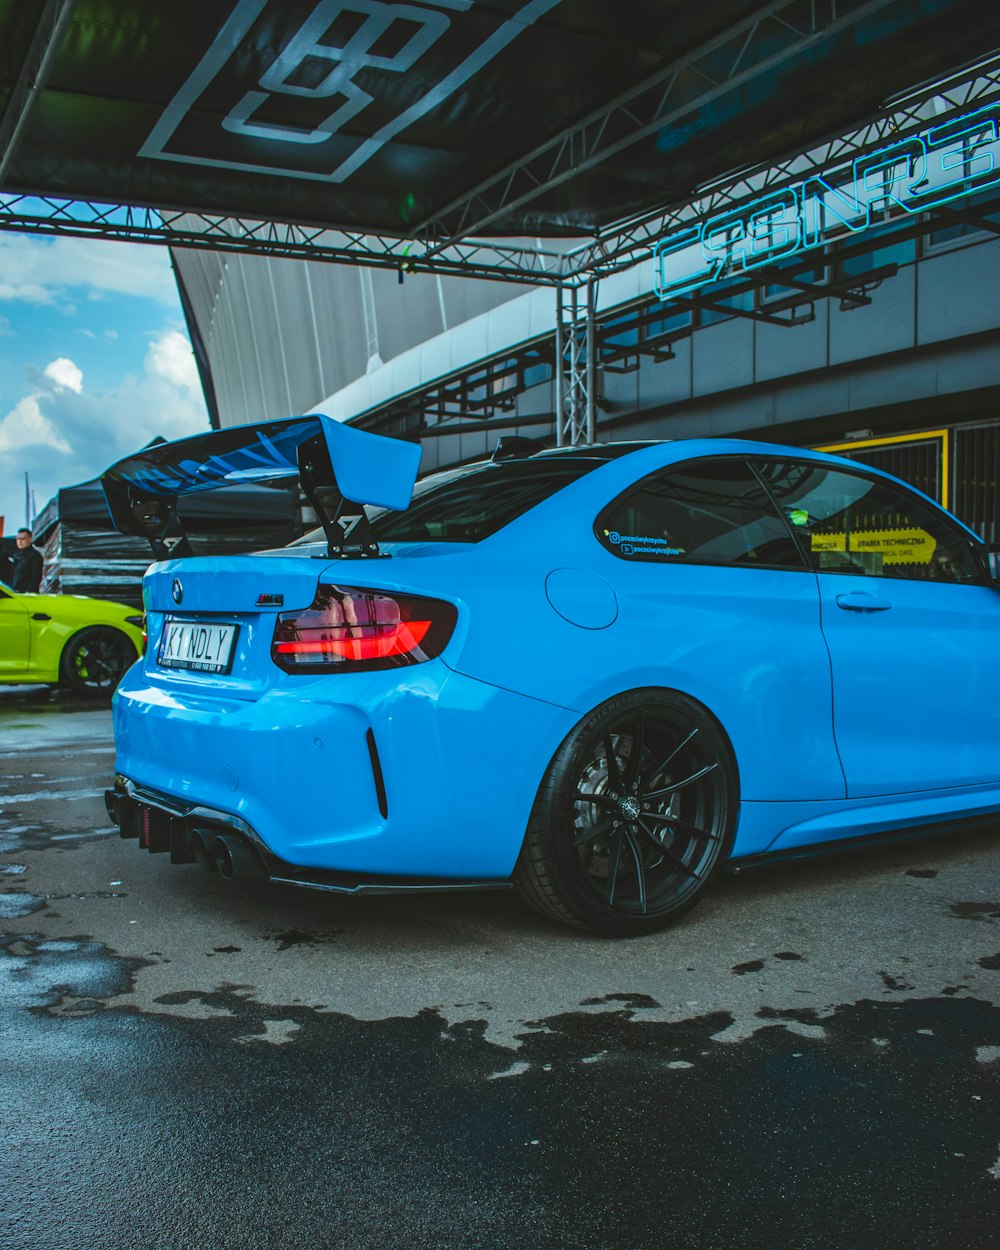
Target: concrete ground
(810, 1059)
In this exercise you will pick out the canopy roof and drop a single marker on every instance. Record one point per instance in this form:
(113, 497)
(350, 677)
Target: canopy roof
(436, 120)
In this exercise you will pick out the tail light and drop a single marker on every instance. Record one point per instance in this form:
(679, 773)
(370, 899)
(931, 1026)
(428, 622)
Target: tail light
(350, 629)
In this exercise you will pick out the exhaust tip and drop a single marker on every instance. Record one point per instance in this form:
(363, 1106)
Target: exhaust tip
(235, 857)
(199, 841)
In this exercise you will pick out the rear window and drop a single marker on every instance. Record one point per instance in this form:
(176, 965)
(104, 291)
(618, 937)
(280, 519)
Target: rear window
(467, 504)
(711, 511)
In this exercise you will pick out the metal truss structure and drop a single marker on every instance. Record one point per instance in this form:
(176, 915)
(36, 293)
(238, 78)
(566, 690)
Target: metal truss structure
(757, 44)
(780, 295)
(452, 242)
(457, 248)
(617, 249)
(933, 104)
(575, 364)
(495, 259)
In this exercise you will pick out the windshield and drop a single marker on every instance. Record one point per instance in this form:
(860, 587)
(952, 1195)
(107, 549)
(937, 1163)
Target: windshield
(467, 504)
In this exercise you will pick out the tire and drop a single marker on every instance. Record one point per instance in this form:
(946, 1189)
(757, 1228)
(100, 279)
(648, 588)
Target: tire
(602, 863)
(95, 660)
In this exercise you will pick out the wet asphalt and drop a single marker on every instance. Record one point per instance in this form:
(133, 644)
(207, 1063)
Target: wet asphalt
(810, 1059)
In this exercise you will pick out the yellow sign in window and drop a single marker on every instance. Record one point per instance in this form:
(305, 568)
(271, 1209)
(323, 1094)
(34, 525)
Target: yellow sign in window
(901, 546)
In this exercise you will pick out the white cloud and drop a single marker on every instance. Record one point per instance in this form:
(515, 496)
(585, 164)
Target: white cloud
(170, 356)
(28, 292)
(63, 434)
(65, 375)
(5, 331)
(26, 426)
(40, 271)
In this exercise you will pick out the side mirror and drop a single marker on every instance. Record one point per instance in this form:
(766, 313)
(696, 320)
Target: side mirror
(993, 561)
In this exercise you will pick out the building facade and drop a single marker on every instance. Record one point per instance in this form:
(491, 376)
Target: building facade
(885, 346)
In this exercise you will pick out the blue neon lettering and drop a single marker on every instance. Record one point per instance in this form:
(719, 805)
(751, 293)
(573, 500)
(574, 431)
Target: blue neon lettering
(705, 270)
(942, 164)
(775, 228)
(889, 177)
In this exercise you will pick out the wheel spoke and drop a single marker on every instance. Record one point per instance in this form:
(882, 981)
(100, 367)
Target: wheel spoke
(638, 863)
(675, 859)
(679, 785)
(601, 800)
(640, 872)
(683, 825)
(674, 753)
(613, 862)
(635, 754)
(595, 834)
(614, 773)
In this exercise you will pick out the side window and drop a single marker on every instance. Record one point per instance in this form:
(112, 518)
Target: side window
(849, 523)
(710, 511)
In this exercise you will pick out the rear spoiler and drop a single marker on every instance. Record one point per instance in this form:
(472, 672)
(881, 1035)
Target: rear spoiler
(340, 468)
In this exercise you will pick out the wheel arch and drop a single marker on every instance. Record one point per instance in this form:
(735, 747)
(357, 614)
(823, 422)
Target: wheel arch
(653, 688)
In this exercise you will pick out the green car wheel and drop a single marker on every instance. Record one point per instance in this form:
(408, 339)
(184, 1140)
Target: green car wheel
(95, 660)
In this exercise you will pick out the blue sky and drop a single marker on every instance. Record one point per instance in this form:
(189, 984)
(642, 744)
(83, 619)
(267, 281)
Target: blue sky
(94, 361)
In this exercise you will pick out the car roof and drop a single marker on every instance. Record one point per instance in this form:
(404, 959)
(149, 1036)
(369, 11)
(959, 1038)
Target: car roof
(597, 451)
(579, 451)
(726, 446)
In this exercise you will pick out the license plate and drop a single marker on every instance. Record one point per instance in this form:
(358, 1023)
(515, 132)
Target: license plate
(197, 645)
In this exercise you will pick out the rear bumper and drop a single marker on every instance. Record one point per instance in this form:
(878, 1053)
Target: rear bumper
(223, 843)
(424, 774)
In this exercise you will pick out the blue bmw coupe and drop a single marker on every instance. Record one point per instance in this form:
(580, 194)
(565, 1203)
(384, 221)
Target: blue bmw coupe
(598, 673)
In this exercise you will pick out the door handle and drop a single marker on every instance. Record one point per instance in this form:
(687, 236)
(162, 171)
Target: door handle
(862, 601)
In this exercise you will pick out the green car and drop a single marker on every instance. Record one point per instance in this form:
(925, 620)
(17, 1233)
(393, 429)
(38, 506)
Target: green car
(84, 644)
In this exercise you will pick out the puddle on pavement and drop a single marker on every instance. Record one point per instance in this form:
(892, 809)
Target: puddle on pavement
(15, 905)
(57, 974)
(41, 836)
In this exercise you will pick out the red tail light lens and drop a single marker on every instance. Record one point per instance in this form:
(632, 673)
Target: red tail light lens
(348, 629)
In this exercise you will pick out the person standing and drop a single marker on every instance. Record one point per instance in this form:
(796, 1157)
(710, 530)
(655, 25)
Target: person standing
(25, 565)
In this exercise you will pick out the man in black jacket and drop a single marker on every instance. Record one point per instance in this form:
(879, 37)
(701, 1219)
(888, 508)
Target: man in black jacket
(26, 565)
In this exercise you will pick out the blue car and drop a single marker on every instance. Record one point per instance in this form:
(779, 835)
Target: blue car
(596, 673)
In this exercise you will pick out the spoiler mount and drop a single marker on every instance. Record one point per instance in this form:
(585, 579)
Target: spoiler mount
(341, 469)
(345, 524)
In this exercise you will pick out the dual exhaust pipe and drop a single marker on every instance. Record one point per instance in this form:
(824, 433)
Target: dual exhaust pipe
(215, 848)
(228, 854)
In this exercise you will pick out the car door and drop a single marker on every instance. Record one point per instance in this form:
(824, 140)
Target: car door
(714, 589)
(913, 627)
(14, 635)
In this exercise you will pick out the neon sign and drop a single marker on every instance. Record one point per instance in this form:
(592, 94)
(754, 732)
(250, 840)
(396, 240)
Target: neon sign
(943, 163)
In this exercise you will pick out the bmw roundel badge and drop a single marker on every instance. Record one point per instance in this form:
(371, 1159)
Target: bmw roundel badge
(177, 590)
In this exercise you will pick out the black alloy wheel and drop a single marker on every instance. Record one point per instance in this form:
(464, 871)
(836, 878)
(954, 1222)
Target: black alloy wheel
(634, 817)
(95, 660)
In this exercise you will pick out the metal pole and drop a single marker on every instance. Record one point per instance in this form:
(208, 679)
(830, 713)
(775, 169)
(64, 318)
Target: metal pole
(560, 377)
(45, 43)
(591, 364)
(576, 378)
